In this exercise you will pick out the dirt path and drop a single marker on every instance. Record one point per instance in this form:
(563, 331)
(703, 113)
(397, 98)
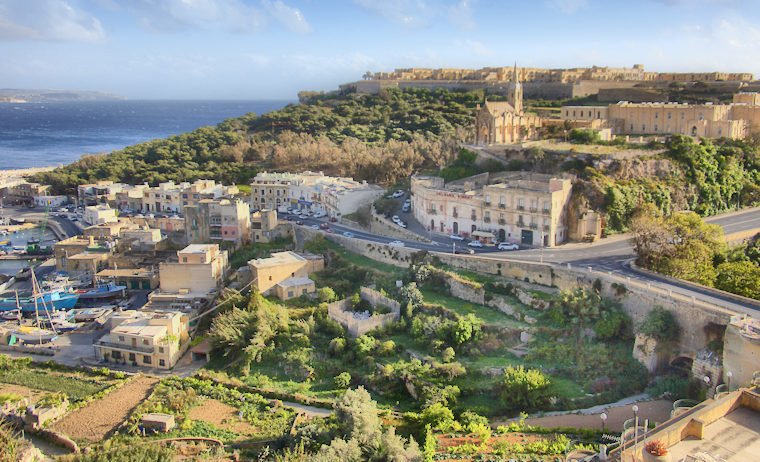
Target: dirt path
(100, 417)
(656, 411)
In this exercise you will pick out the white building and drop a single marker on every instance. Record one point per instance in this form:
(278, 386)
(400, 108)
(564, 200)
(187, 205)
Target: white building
(99, 214)
(521, 207)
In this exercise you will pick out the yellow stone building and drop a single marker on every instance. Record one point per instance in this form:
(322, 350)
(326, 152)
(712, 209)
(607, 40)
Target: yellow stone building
(267, 273)
(198, 273)
(505, 122)
(735, 120)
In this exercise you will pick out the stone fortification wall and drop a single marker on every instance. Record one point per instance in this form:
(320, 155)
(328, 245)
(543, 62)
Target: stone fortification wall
(356, 326)
(380, 225)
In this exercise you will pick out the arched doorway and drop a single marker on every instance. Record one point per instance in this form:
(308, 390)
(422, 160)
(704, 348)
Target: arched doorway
(456, 228)
(502, 235)
(694, 131)
(474, 228)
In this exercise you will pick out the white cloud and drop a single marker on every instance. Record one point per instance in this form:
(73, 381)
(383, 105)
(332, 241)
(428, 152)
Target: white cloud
(567, 6)
(173, 15)
(315, 65)
(474, 47)
(290, 17)
(460, 14)
(54, 20)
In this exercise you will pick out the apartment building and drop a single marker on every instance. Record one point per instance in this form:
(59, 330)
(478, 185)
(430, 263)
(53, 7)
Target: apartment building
(218, 220)
(521, 207)
(310, 191)
(146, 339)
(198, 273)
(171, 197)
(282, 267)
(263, 225)
(94, 254)
(99, 214)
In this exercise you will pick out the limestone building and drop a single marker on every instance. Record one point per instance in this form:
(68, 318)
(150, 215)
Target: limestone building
(735, 120)
(280, 269)
(522, 207)
(218, 220)
(198, 273)
(505, 122)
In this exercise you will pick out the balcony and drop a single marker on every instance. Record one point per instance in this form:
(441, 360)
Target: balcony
(502, 221)
(521, 224)
(432, 212)
(502, 206)
(455, 215)
(126, 347)
(547, 228)
(488, 203)
(473, 217)
(546, 211)
(520, 207)
(534, 226)
(486, 220)
(534, 209)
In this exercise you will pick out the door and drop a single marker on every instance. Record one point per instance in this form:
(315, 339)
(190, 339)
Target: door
(456, 228)
(502, 235)
(526, 237)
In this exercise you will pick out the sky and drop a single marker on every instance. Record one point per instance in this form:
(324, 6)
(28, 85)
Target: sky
(271, 49)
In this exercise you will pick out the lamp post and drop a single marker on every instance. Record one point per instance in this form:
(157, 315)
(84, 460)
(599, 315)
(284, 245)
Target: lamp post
(635, 410)
(603, 416)
(729, 374)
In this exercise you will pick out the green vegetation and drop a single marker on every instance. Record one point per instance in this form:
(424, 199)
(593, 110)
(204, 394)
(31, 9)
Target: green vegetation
(11, 443)
(78, 386)
(379, 138)
(661, 325)
(125, 453)
(686, 247)
(240, 257)
(464, 166)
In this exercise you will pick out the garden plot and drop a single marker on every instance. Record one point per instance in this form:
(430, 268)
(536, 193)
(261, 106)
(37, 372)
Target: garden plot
(25, 392)
(99, 418)
(222, 416)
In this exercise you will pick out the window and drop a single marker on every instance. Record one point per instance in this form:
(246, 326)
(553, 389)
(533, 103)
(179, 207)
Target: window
(290, 294)
(121, 338)
(146, 359)
(270, 278)
(184, 259)
(655, 127)
(598, 114)
(656, 115)
(683, 115)
(631, 127)
(160, 349)
(146, 341)
(132, 357)
(161, 363)
(573, 113)
(304, 291)
(643, 127)
(116, 354)
(292, 275)
(669, 115)
(701, 116)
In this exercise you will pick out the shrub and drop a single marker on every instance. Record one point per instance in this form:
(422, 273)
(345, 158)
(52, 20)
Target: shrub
(342, 380)
(656, 448)
(337, 345)
(661, 325)
(524, 388)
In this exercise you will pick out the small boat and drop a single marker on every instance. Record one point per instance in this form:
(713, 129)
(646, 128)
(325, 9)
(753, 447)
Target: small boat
(12, 315)
(59, 322)
(31, 334)
(102, 291)
(56, 300)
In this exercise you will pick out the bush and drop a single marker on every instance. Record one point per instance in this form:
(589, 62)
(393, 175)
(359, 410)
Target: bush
(524, 388)
(342, 380)
(661, 325)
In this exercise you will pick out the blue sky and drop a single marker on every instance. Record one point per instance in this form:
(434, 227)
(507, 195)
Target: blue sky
(271, 49)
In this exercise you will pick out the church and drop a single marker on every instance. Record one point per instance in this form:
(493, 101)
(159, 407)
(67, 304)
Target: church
(505, 122)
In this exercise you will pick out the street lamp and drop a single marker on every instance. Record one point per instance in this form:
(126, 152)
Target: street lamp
(603, 416)
(729, 374)
(635, 410)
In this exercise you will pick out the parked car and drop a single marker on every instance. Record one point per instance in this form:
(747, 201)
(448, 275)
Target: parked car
(401, 223)
(406, 208)
(396, 219)
(324, 226)
(464, 251)
(314, 227)
(333, 219)
(508, 246)
(396, 244)
(456, 237)
(319, 214)
(348, 234)
(299, 222)
(398, 194)
(476, 244)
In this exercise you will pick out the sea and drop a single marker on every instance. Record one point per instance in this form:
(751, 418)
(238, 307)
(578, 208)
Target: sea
(51, 134)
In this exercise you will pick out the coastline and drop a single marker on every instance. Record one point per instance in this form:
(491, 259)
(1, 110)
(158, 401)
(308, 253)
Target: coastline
(23, 172)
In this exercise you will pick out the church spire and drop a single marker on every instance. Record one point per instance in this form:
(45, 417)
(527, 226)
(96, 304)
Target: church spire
(515, 75)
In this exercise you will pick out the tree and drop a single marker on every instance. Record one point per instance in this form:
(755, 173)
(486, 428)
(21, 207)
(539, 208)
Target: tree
(524, 388)
(410, 294)
(357, 415)
(326, 295)
(661, 325)
(439, 417)
(741, 278)
(342, 380)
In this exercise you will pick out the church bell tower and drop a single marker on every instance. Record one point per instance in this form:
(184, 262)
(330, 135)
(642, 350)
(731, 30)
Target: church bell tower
(516, 95)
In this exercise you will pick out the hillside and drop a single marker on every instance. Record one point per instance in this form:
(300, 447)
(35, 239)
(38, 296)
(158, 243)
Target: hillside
(14, 95)
(379, 138)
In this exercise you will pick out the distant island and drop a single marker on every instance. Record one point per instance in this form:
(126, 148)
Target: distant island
(12, 95)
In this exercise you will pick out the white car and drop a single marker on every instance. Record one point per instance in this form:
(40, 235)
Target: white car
(319, 214)
(456, 237)
(314, 227)
(396, 219)
(348, 234)
(396, 244)
(398, 194)
(401, 223)
(476, 244)
(508, 246)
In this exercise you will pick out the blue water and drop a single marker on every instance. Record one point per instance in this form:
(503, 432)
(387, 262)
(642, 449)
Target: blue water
(41, 134)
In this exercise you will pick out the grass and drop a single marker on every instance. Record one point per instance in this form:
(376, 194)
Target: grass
(240, 257)
(77, 385)
(365, 262)
(489, 316)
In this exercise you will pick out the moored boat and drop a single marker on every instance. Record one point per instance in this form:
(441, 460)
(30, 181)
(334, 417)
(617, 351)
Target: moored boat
(56, 300)
(31, 334)
(102, 291)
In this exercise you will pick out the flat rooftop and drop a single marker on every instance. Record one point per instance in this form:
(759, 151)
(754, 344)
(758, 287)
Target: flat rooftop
(295, 282)
(732, 438)
(198, 248)
(277, 259)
